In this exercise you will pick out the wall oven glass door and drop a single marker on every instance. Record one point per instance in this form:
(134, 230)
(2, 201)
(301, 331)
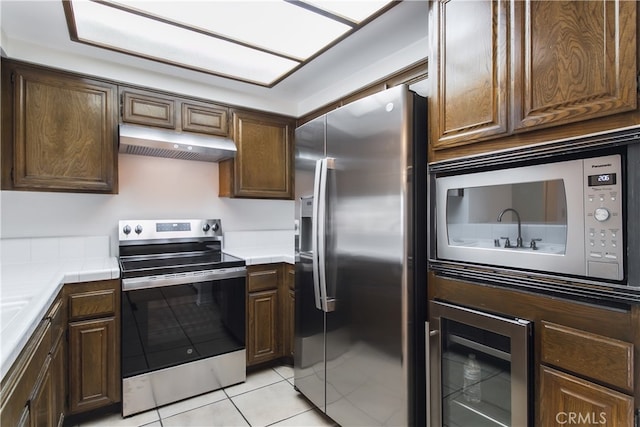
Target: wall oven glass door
(170, 325)
(481, 368)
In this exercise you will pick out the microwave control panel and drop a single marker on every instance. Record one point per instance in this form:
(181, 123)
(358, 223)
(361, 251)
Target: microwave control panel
(604, 245)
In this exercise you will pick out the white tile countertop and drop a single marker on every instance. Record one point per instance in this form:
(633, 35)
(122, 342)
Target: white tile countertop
(32, 272)
(261, 247)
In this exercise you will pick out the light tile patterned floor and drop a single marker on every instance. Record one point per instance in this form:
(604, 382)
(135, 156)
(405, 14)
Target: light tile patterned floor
(266, 398)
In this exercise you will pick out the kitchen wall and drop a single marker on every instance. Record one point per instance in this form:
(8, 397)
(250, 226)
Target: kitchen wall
(150, 188)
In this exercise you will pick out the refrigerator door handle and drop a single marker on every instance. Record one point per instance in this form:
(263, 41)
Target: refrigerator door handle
(328, 304)
(315, 220)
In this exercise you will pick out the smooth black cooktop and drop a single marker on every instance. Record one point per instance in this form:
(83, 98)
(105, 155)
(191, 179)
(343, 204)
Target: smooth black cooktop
(156, 260)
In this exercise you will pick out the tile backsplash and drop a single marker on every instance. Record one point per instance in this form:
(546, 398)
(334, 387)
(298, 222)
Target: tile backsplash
(21, 251)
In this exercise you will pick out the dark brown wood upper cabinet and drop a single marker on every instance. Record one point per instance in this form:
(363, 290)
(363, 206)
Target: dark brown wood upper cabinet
(173, 112)
(573, 61)
(262, 167)
(146, 109)
(471, 79)
(505, 67)
(205, 118)
(59, 131)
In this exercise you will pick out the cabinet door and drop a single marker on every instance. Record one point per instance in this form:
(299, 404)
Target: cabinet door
(469, 100)
(578, 61)
(565, 399)
(262, 166)
(41, 402)
(94, 375)
(262, 339)
(205, 118)
(289, 303)
(64, 132)
(58, 381)
(148, 109)
(25, 418)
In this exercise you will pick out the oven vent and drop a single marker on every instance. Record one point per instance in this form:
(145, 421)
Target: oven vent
(145, 141)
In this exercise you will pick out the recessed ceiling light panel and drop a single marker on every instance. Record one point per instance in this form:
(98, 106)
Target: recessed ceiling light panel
(259, 42)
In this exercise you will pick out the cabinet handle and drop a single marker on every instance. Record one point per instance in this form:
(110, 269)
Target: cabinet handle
(433, 333)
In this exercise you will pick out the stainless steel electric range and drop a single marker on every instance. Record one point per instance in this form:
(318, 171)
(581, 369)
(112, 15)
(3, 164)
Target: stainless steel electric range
(183, 312)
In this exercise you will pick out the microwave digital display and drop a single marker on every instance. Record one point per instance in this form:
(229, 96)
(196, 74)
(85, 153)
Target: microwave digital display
(602, 179)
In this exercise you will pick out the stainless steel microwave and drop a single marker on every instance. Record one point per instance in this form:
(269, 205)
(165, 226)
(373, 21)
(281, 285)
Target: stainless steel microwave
(565, 217)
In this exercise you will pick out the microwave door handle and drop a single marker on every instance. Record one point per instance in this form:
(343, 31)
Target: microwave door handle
(328, 304)
(314, 233)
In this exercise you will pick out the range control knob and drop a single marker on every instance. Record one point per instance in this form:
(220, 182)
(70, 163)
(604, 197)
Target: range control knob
(215, 226)
(206, 227)
(126, 230)
(601, 214)
(138, 229)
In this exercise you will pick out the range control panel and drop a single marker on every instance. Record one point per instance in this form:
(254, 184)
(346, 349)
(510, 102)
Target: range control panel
(604, 245)
(139, 230)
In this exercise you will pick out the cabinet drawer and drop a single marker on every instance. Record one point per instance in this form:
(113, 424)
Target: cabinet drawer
(262, 278)
(57, 319)
(92, 304)
(603, 359)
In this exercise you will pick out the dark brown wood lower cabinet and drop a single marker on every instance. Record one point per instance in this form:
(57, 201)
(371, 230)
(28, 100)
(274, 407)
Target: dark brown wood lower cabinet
(41, 402)
(59, 381)
(262, 344)
(289, 323)
(93, 357)
(569, 400)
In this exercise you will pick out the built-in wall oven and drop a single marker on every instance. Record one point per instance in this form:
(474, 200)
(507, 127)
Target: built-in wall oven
(480, 368)
(183, 312)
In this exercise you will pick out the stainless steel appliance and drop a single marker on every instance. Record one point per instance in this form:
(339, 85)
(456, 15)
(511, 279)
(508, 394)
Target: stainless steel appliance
(564, 217)
(361, 260)
(183, 312)
(480, 367)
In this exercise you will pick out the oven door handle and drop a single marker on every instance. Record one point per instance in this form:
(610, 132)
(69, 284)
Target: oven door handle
(135, 283)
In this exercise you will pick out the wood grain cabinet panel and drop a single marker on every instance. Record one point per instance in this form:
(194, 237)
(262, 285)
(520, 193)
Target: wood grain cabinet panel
(568, 400)
(41, 406)
(260, 278)
(603, 359)
(289, 304)
(505, 67)
(101, 302)
(471, 71)
(59, 382)
(93, 362)
(577, 61)
(148, 109)
(62, 132)
(262, 337)
(164, 110)
(205, 118)
(94, 344)
(262, 167)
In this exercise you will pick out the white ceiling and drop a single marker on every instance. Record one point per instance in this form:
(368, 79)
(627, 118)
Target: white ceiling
(36, 31)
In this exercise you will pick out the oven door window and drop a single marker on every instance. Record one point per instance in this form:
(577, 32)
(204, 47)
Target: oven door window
(167, 326)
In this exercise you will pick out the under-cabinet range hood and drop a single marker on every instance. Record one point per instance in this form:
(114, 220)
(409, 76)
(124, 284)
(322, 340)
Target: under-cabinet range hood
(147, 141)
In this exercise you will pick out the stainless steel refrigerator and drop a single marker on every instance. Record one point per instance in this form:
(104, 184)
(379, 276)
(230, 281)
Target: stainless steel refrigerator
(361, 260)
